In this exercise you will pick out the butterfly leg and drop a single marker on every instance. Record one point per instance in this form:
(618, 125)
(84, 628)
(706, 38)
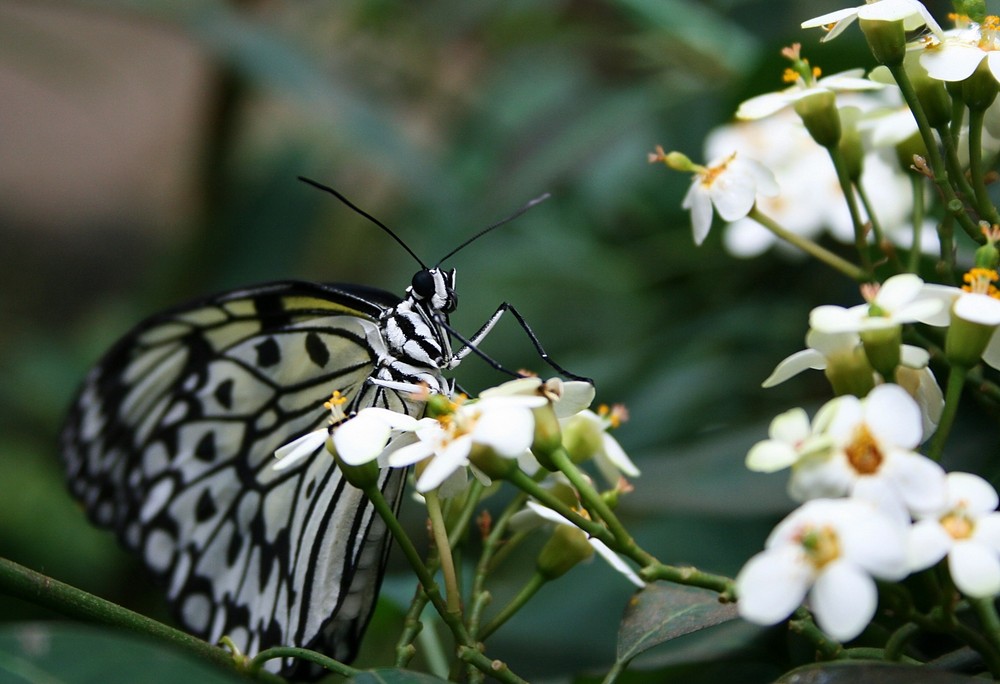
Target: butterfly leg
(471, 345)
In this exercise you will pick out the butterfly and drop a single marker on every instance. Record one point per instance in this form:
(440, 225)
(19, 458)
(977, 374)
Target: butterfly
(170, 443)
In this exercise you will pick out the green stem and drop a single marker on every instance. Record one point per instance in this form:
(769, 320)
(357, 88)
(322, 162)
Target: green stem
(977, 169)
(986, 611)
(257, 662)
(938, 168)
(494, 668)
(955, 171)
(21, 582)
(461, 523)
(593, 501)
(530, 588)
(860, 233)
(899, 639)
(953, 394)
(917, 186)
(520, 480)
(492, 545)
(690, 576)
(809, 247)
(802, 623)
(440, 534)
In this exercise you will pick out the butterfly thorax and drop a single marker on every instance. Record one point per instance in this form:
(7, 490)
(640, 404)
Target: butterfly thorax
(417, 346)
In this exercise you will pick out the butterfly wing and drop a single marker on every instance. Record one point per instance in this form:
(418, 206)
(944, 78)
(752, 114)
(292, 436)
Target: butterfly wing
(171, 440)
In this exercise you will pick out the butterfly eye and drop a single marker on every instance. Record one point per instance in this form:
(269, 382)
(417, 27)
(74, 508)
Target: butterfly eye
(423, 284)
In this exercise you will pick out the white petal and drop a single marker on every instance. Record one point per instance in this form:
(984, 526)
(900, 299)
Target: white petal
(617, 457)
(987, 531)
(893, 416)
(831, 344)
(508, 431)
(890, 10)
(576, 396)
(820, 477)
(795, 364)
(441, 467)
(770, 456)
(762, 105)
(410, 454)
(772, 584)
(361, 439)
(301, 448)
(843, 599)
(975, 568)
(992, 353)
(972, 493)
(898, 291)
(951, 61)
(700, 204)
(978, 308)
(927, 544)
(946, 295)
(914, 357)
(831, 18)
(834, 319)
(615, 561)
(921, 482)
(733, 194)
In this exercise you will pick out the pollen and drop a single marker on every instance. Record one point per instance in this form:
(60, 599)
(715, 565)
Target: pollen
(790, 75)
(863, 453)
(821, 544)
(980, 281)
(712, 173)
(958, 524)
(336, 399)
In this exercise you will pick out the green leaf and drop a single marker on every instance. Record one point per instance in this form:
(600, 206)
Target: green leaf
(662, 612)
(43, 652)
(393, 676)
(870, 673)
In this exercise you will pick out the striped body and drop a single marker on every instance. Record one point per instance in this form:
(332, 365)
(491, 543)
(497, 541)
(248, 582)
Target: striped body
(170, 443)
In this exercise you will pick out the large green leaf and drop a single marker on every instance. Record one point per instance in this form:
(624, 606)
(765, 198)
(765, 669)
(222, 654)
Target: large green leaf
(871, 673)
(43, 653)
(662, 612)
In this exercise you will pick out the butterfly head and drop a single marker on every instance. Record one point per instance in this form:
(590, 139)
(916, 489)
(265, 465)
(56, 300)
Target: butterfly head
(435, 288)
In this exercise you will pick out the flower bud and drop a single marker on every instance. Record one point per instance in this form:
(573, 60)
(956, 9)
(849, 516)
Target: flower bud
(548, 436)
(966, 341)
(851, 149)
(492, 464)
(886, 39)
(818, 111)
(361, 476)
(988, 256)
(850, 373)
(980, 89)
(566, 547)
(933, 97)
(883, 347)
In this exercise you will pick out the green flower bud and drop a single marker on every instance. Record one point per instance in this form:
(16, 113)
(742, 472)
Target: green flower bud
(980, 89)
(966, 341)
(973, 9)
(933, 97)
(566, 547)
(851, 149)
(361, 476)
(495, 466)
(886, 39)
(818, 111)
(548, 436)
(883, 347)
(988, 256)
(850, 373)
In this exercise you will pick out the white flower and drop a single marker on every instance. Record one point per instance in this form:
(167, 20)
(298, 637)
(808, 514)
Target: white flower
(977, 302)
(732, 185)
(900, 299)
(771, 103)
(967, 531)
(912, 13)
(791, 438)
(873, 456)
(811, 200)
(504, 424)
(364, 437)
(600, 547)
(958, 53)
(830, 549)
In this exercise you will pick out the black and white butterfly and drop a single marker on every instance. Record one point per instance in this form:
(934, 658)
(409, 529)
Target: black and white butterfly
(171, 439)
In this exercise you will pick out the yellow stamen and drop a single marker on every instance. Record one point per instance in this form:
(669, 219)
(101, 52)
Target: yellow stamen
(710, 174)
(980, 281)
(863, 452)
(336, 399)
(820, 544)
(790, 75)
(958, 524)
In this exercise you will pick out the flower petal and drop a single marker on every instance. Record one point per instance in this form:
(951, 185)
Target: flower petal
(893, 416)
(975, 568)
(843, 599)
(772, 584)
(795, 364)
(300, 449)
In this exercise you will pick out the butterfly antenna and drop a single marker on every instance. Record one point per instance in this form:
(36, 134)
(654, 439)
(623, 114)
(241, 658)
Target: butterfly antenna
(484, 231)
(374, 220)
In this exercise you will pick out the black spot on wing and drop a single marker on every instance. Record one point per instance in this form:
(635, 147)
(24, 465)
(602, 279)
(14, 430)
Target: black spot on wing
(268, 353)
(205, 508)
(317, 350)
(224, 393)
(205, 449)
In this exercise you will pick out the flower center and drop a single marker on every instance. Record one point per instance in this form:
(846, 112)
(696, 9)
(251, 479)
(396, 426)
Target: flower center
(821, 545)
(863, 452)
(712, 173)
(958, 524)
(980, 281)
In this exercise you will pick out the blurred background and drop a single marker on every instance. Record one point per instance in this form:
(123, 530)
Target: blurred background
(149, 154)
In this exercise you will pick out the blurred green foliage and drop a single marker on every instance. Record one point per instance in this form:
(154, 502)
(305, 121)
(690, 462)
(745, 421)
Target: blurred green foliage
(441, 118)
